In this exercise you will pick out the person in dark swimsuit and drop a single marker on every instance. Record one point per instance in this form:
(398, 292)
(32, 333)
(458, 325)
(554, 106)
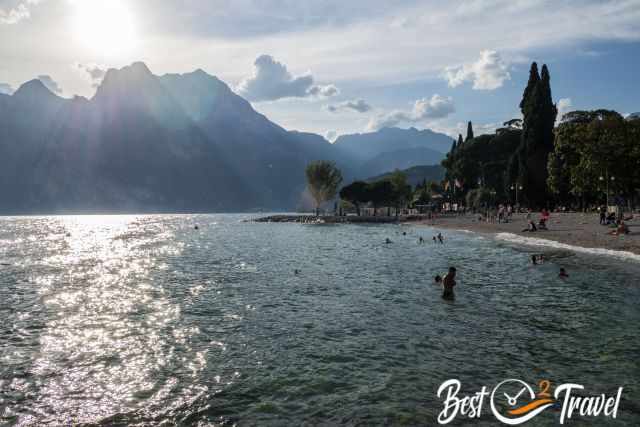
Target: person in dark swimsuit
(448, 283)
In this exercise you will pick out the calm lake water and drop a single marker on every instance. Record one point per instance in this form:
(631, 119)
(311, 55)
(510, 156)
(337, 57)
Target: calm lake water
(144, 320)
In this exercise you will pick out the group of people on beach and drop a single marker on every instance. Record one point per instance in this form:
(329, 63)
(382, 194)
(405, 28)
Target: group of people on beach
(542, 223)
(610, 219)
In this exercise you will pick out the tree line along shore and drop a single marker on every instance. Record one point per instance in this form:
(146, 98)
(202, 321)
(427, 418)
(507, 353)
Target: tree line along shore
(583, 161)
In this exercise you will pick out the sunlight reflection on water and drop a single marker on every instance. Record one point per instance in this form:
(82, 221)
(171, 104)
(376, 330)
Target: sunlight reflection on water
(109, 328)
(143, 319)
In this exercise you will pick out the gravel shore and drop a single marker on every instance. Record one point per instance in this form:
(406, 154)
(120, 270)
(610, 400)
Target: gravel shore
(576, 229)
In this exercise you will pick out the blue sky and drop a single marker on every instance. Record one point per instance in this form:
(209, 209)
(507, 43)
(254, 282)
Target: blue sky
(335, 67)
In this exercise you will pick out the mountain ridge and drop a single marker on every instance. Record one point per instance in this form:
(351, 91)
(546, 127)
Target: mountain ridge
(176, 142)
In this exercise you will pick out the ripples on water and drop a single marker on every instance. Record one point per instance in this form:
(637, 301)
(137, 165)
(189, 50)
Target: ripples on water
(143, 319)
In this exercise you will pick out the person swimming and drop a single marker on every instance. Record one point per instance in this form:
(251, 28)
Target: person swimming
(563, 273)
(388, 241)
(196, 228)
(448, 283)
(537, 259)
(437, 280)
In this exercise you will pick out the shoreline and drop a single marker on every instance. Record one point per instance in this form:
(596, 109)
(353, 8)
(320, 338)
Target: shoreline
(572, 231)
(580, 232)
(332, 219)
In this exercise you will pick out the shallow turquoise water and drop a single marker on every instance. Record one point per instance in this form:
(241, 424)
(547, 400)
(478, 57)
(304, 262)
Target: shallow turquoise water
(143, 319)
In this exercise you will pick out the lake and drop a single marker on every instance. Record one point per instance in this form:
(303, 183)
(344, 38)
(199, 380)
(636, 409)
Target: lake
(143, 319)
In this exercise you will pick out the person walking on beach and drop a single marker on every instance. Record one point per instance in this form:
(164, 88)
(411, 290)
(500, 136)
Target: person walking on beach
(448, 283)
(603, 215)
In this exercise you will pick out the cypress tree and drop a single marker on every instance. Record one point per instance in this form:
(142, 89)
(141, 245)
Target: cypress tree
(453, 147)
(459, 140)
(469, 131)
(534, 78)
(537, 136)
(549, 111)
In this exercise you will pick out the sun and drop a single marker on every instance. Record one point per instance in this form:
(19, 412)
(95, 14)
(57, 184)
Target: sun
(104, 26)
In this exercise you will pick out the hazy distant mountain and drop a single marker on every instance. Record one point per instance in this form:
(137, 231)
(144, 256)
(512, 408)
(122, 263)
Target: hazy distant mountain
(366, 146)
(417, 174)
(170, 143)
(399, 159)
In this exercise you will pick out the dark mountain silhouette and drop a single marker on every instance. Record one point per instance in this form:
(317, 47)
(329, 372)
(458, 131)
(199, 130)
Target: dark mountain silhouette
(157, 143)
(417, 174)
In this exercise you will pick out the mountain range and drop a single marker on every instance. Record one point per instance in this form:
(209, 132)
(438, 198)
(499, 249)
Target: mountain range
(177, 142)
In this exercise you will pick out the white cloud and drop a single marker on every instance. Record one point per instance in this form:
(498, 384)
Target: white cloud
(20, 11)
(93, 72)
(564, 106)
(331, 135)
(51, 84)
(6, 89)
(489, 72)
(271, 81)
(324, 91)
(436, 107)
(358, 105)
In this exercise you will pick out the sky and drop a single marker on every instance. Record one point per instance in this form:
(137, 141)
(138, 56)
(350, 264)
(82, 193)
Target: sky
(335, 67)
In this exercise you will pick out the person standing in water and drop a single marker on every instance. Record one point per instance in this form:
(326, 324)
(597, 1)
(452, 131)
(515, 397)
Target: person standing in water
(440, 239)
(448, 283)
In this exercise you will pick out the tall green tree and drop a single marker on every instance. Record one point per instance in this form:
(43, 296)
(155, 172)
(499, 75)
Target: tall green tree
(594, 151)
(323, 180)
(453, 146)
(401, 189)
(356, 193)
(534, 78)
(380, 193)
(539, 116)
(469, 131)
